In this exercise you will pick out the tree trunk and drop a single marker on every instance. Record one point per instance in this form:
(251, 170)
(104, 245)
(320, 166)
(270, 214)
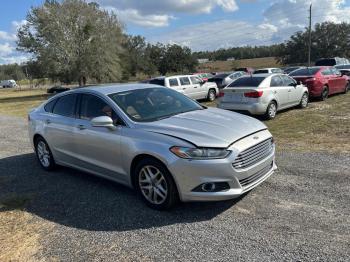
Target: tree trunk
(82, 81)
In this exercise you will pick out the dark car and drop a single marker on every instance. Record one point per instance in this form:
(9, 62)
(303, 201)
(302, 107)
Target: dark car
(57, 89)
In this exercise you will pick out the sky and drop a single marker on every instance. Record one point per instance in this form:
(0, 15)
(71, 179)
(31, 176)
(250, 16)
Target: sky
(200, 24)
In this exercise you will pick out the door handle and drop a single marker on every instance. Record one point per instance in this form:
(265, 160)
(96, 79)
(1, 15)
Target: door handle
(81, 127)
(48, 121)
(184, 88)
(289, 91)
(195, 86)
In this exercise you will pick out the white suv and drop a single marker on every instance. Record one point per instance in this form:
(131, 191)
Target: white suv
(189, 85)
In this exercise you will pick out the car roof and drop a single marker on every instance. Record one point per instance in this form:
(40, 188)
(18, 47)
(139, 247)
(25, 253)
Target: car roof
(114, 88)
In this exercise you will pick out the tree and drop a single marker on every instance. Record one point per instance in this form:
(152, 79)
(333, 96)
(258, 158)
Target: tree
(73, 40)
(328, 40)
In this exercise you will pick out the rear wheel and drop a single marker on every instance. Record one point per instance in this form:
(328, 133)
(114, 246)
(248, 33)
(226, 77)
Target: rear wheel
(325, 93)
(271, 110)
(304, 100)
(211, 95)
(155, 184)
(44, 155)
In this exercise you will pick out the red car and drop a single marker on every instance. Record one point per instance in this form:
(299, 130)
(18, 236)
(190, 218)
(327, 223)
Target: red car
(204, 76)
(322, 80)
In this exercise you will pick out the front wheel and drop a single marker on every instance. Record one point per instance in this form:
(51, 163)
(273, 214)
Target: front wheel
(155, 184)
(211, 95)
(346, 89)
(304, 100)
(271, 110)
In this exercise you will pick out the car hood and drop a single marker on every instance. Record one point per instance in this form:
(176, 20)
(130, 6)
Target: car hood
(211, 127)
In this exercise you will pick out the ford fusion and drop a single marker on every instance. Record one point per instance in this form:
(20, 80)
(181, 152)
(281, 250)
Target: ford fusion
(154, 139)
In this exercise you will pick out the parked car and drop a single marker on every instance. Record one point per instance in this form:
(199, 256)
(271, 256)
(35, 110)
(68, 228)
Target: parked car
(332, 61)
(224, 79)
(57, 89)
(190, 85)
(8, 83)
(204, 76)
(154, 139)
(347, 66)
(269, 71)
(322, 81)
(345, 72)
(290, 69)
(263, 94)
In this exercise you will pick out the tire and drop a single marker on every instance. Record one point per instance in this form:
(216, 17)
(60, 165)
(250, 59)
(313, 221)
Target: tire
(271, 110)
(155, 185)
(346, 89)
(211, 95)
(304, 100)
(324, 94)
(44, 155)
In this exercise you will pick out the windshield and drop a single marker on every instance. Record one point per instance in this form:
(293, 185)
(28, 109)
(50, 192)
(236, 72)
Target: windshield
(305, 71)
(247, 82)
(152, 104)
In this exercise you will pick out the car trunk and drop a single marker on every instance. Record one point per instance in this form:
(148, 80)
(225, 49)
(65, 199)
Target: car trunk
(240, 94)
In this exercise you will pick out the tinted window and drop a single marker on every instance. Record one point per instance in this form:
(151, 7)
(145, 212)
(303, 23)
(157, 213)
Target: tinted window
(184, 81)
(287, 81)
(173, 82)
(195, 80)
(261, 71)
(305, 71)
(65, 106)
(247, 82)
(156, 81)
(276, 81)
(92, 106)
(326, 62)
(152, 104)
(49, 106)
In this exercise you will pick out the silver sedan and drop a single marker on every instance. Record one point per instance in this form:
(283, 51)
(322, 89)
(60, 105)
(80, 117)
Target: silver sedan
(154, 139)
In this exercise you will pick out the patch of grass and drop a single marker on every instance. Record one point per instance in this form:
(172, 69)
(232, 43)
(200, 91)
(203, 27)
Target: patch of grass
(16, 92)
(20, 106)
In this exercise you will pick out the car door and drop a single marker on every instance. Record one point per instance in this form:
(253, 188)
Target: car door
(59, 124)
(279, 91)
(186, 86)
(200, 90)
(294, 92)
(341, 81)
(98, 148)
(330, 80)
(173, 83)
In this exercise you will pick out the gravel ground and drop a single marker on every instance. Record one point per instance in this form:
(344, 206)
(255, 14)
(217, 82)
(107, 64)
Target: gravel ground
(301, 213)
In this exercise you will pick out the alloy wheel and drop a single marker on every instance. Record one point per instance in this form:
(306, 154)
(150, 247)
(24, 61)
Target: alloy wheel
(272, 110)
(153, 185)
(304, 100)
(43, 154)
(211, 95)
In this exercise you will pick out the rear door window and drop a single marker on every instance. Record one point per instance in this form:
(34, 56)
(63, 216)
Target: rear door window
(185, 81)
(49, 106)
(287, 81)
(276, 81)
(173, 82)
(195, 80)
(65, 106)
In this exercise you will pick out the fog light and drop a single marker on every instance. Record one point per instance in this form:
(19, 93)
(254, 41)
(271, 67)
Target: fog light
(212, 187)
(208, 187)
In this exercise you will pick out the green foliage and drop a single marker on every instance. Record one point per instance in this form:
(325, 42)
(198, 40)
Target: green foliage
(245, 52)
(328, 40)
(72, 40)
(11, 71)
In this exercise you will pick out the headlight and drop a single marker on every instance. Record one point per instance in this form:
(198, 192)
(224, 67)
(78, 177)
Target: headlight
(200, 153)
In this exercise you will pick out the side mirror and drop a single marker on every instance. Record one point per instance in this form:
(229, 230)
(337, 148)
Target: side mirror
(103, 121)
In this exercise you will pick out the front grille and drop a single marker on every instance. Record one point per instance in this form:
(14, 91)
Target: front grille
(255, 177)
(253, 154)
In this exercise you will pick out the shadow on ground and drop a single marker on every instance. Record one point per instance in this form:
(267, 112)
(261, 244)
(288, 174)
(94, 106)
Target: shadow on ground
(76, 199)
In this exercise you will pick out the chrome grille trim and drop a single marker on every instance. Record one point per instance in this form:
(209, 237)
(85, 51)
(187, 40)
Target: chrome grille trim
(245, 182)
(253, 154)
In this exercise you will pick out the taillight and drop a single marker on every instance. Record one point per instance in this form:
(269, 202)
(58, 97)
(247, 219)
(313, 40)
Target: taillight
(254, 94)
(221, 94)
